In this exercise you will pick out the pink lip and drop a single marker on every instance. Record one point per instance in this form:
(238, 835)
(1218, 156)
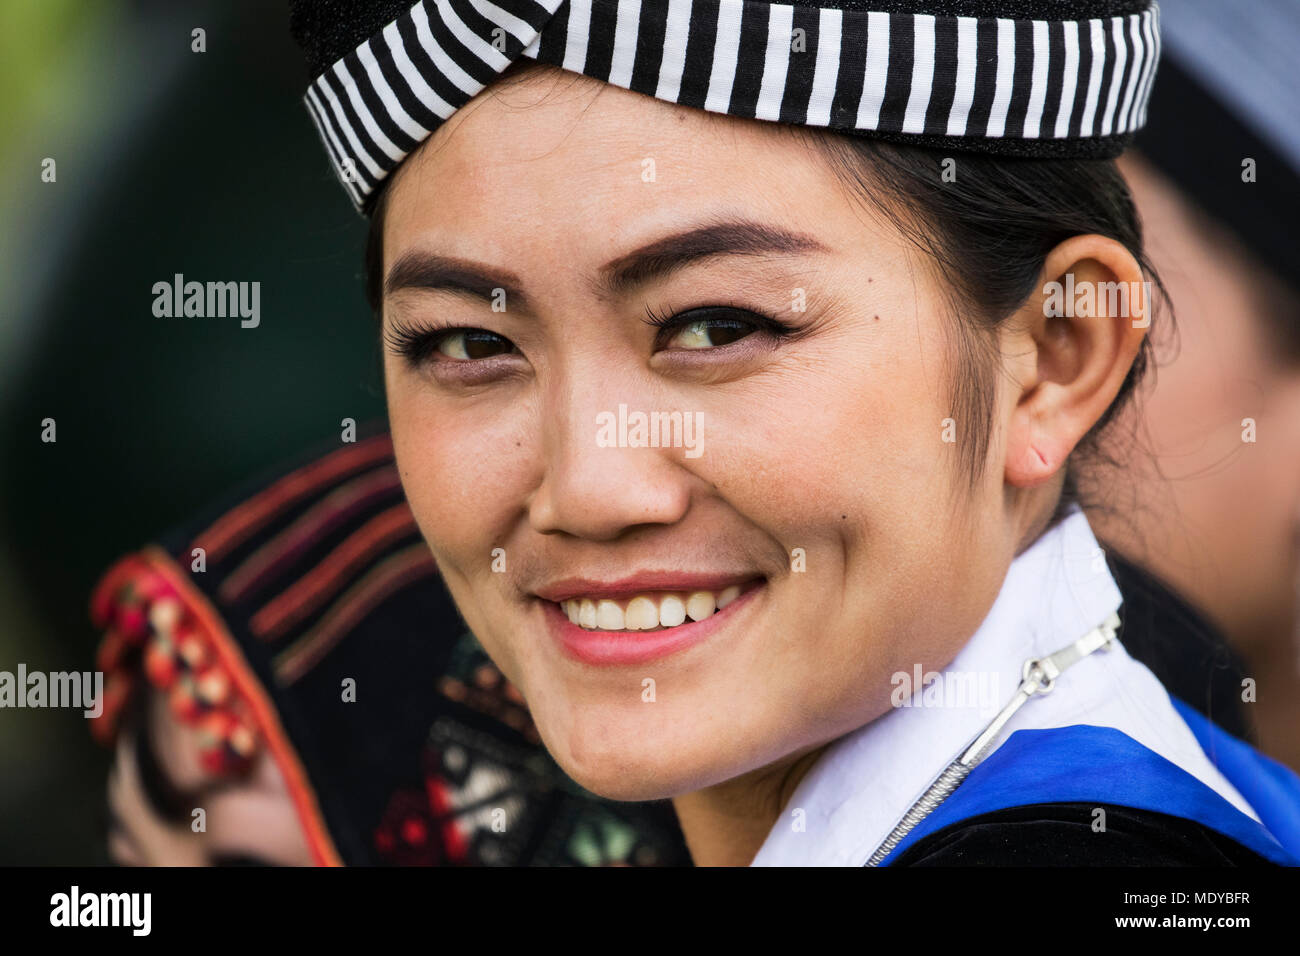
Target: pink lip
(615, 648)
(640, 583)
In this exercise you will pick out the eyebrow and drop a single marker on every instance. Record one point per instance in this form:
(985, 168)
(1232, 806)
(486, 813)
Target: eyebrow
(733, 237)
(656, 260)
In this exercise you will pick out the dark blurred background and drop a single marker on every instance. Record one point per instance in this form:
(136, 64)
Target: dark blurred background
(167, 160)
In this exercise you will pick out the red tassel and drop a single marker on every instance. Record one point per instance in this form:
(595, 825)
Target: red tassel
(165, 615)
(154, 588)
(132, 622)
(212, 686)
(184, 702)
(226, 743)
(160, 663)
(191, 649)
(108, 592)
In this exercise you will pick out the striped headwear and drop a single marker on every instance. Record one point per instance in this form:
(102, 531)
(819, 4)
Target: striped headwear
(1035, 78)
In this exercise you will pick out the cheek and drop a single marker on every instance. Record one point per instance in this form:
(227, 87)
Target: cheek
(840, 444)
(857, 466)
(843, 456)
(464, 465)
(462, 474)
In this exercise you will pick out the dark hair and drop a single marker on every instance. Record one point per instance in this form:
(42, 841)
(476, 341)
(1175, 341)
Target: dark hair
(988, 232)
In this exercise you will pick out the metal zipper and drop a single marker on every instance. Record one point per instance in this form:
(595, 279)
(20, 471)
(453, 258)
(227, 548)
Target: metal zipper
(1038, 676)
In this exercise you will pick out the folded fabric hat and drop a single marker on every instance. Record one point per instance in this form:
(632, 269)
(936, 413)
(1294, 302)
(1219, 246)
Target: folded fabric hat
(305, 617)
(1034, 78)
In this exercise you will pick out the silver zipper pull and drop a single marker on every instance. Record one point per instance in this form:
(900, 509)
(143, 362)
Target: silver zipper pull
(1038, 676)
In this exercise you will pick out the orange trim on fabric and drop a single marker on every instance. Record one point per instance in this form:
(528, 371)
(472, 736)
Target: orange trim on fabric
(333, 508)
(241, 521)
(317, 585)
(387, 577)
(250, 688)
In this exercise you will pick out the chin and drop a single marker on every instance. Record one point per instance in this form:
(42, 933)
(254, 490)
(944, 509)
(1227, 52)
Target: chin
(627, 772)
(634, 763)
(629, 787)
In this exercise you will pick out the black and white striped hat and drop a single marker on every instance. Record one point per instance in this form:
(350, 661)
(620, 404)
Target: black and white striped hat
(1036, 78)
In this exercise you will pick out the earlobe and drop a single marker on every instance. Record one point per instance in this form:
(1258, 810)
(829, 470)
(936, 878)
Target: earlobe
(1034, 453)
(1077, 337)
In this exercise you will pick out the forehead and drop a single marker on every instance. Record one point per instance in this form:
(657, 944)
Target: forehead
(556, 153)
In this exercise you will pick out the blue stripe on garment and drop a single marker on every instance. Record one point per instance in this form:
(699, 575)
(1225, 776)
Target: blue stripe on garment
(1102, 765)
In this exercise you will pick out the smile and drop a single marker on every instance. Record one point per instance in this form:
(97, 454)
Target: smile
(647, 612)
(597, 625)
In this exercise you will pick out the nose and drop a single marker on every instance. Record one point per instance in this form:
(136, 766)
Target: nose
(602, 478)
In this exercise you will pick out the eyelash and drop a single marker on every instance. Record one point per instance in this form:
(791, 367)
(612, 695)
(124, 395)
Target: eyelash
(677, 320)
(418, 344)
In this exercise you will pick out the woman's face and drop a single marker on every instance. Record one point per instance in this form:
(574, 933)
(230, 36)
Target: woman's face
(814, 480)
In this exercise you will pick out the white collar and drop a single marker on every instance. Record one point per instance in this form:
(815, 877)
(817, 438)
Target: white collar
(1054, 592)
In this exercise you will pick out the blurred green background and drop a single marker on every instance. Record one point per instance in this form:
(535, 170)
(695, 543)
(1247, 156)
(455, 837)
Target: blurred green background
(168, 161)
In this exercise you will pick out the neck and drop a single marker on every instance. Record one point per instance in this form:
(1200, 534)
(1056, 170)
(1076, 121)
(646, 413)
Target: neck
(1276, 710)
(726, 824)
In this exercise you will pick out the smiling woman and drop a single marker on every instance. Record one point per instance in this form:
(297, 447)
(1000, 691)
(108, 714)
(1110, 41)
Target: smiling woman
(852, 301)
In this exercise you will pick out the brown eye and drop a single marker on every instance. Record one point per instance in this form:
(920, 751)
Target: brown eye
(470, 344)
(713, 331)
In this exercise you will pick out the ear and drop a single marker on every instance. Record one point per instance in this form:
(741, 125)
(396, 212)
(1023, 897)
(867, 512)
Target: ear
(1071, 346)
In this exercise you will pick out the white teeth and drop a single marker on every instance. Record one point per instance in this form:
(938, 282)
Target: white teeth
(609, 616)
(647, 612)
(700, 605)
(641, 614)
(672, 611)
